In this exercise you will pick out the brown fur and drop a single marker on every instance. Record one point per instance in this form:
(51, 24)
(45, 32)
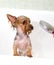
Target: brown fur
(24, 23)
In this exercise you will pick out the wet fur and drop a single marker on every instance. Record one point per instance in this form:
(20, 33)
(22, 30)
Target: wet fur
(23, 23)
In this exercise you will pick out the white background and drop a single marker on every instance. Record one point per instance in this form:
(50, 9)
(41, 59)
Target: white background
(28, 4)
(42, 41)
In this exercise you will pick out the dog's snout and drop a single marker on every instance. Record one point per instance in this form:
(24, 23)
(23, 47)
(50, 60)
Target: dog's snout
(31, 27)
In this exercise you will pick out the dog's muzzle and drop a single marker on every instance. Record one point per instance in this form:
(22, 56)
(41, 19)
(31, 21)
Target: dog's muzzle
(29, 28)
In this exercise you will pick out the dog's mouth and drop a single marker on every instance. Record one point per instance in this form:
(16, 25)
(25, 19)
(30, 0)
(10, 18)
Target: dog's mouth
(28, 29)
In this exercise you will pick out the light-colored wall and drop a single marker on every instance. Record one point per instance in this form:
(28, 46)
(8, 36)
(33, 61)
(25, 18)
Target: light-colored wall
(28, 4)
(42, 41)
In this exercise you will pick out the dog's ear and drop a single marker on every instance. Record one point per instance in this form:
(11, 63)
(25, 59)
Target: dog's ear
(11, 18)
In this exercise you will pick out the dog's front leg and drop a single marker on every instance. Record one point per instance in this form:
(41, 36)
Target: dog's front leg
(29, 53)
(15, 51)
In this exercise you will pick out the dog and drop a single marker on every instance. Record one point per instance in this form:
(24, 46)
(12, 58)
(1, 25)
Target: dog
(22, 44)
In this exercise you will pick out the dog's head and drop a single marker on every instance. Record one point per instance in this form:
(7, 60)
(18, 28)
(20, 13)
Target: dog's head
(22, 21)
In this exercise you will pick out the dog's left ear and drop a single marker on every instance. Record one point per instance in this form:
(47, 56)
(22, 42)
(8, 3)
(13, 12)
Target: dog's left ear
(11, 18)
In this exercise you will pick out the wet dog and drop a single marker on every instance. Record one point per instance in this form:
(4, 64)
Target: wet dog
(22, 44)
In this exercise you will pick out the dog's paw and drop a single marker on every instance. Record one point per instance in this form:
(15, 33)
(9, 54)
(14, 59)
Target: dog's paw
(30, 56)
(15, 54)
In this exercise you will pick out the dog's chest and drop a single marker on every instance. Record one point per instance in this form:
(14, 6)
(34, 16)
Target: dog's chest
(22, 42)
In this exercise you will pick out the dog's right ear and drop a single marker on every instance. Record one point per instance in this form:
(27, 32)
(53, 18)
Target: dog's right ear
(11, 18)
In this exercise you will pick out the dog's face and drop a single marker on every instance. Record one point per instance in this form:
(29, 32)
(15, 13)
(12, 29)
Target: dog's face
(22, 21)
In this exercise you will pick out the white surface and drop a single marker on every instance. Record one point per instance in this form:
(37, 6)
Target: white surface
(42, 41)
(28, 4)
(10, 60)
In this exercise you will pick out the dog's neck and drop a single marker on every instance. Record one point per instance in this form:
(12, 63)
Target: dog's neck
(20, 32)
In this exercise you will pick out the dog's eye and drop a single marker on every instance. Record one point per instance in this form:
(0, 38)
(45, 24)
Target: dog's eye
(24, 22)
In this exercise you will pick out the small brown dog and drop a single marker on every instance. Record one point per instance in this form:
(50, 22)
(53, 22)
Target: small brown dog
(22, 45)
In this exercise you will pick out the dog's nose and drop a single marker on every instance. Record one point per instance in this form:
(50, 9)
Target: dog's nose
(31, 27)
